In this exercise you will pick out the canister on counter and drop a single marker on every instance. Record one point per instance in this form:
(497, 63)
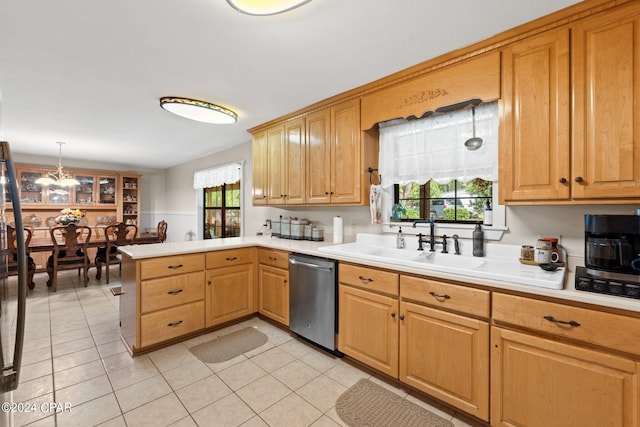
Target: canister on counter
(527, 253)
(555, 253)
(297, 228)
(317, 234)
(542, 253)
(285, 228)
(307, 232)
(275, 227)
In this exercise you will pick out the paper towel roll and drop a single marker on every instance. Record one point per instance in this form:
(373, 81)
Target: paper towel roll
(338, 229)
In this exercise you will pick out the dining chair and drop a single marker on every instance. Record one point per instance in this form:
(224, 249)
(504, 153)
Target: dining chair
(70, 244)
(119, 234)
(162, 231)
(12, 253)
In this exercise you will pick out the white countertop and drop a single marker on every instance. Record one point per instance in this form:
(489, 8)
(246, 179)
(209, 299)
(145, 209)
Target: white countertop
(568, 291)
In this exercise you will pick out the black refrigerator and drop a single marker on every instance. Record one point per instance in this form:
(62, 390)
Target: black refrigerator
(13, 292)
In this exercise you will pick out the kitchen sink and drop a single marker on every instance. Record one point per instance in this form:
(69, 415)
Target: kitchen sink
(506, 269)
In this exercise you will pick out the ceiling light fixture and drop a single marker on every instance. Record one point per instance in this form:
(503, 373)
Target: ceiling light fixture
(57, 176)
(198, 110)
(263, 8)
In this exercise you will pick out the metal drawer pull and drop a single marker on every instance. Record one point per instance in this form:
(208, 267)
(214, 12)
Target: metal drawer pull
(174, 292)
(272, 258)
(233, 258)
(175, 266)
(175, 323)
(564, 322)
(402, 317)
(435, 295)
(365, 279)
(393, 314)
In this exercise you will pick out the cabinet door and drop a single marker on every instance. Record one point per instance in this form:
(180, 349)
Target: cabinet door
(276, 166)
(346, 159)
(84, 194)
(368, 328)
(107, 189)
(259, 161)
(130, 199)
(30, 192)
(318, 129)
(534, 141)
(229, 294)
(295, 160)
(606, 131)
(446, 356)
(273, 289)
(539, 383)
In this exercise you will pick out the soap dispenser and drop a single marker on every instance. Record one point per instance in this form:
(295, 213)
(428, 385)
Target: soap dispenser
(478, 241)
(400, 239)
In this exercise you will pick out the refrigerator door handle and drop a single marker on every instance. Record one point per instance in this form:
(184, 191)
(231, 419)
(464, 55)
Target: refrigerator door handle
(10, 376)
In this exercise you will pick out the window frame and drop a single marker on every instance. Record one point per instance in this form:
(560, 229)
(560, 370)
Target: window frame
(223, 210)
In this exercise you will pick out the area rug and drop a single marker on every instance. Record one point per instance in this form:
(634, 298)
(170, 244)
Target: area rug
(369, 404)
(229, 346)
(116, 290)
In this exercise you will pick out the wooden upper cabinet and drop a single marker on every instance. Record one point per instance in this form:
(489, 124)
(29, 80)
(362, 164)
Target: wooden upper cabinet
(535, 132)
(606, 94)
(346, 162)
(478, 77)
(276, 165)
(260, 160)
(319, 157)
(294, 134)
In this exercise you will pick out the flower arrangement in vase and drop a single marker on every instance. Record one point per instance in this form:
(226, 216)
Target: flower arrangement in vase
(70, 216)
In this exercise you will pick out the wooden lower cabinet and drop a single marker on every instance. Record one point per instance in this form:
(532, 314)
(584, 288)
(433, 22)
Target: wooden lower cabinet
(229, 293)
(368, 328)
(273, 290)
(538, 382)
(170, 323)
(447, 356)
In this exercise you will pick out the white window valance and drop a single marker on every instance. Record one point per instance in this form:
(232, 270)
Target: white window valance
(432, 148)
(214, 177)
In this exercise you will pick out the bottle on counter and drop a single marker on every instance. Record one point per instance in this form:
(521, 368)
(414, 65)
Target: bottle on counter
(488, 214)
(400, 239)
(478, 241)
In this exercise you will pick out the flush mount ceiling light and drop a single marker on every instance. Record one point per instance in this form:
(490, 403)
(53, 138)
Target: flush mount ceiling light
(57, 176)
(198, 110)
(263, 7)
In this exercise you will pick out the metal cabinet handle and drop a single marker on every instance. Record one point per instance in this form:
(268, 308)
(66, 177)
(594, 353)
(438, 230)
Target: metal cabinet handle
(579, 179)
(435, 295)
(393, 314)
(175, 292)
(174, 323)
(173, 267)
(233, 258)
(365, 279)
(563, 180)
(402, 317)
(563, 322)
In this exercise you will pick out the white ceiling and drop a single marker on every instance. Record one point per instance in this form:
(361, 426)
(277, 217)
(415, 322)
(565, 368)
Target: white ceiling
(90, 72)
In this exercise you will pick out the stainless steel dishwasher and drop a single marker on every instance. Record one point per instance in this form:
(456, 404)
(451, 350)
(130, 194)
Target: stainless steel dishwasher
(313, 306)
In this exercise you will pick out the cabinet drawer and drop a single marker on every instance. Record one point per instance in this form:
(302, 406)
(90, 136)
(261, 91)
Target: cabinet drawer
(369, 278)
(171, 323)
(445, 295)
(603, 329)
(273, 258)
(170, 266)
(229, 257)
(166, 292)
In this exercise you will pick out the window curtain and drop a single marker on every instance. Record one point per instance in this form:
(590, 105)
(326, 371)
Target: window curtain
(214, 177)
(433, 147)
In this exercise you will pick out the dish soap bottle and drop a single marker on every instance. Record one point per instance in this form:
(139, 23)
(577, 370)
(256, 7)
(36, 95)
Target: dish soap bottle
(478, 241)
(400, 239)
(488, 214)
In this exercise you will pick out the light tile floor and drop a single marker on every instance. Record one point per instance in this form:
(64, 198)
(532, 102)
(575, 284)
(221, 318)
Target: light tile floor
(73, 356)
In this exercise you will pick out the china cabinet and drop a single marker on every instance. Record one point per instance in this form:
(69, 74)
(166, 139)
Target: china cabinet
(130, 197)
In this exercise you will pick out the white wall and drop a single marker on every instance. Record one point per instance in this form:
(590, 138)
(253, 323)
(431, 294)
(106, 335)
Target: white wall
(525, 223)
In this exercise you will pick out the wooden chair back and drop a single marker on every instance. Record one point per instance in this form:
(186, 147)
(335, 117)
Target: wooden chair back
(70, 241)
(121, 234)
(12, 252)
(162, 231)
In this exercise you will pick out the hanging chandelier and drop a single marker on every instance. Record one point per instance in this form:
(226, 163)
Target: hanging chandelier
(57, 176)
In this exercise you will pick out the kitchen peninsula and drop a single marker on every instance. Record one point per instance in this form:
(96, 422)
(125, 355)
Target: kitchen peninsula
(172, 291)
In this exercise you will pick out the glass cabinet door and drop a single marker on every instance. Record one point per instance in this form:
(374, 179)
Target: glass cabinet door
(84, 191)
(107, 190)
(59, 195)
(30, 192)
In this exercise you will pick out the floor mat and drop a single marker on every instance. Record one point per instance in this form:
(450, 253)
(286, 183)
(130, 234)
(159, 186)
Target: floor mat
(229, 346)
